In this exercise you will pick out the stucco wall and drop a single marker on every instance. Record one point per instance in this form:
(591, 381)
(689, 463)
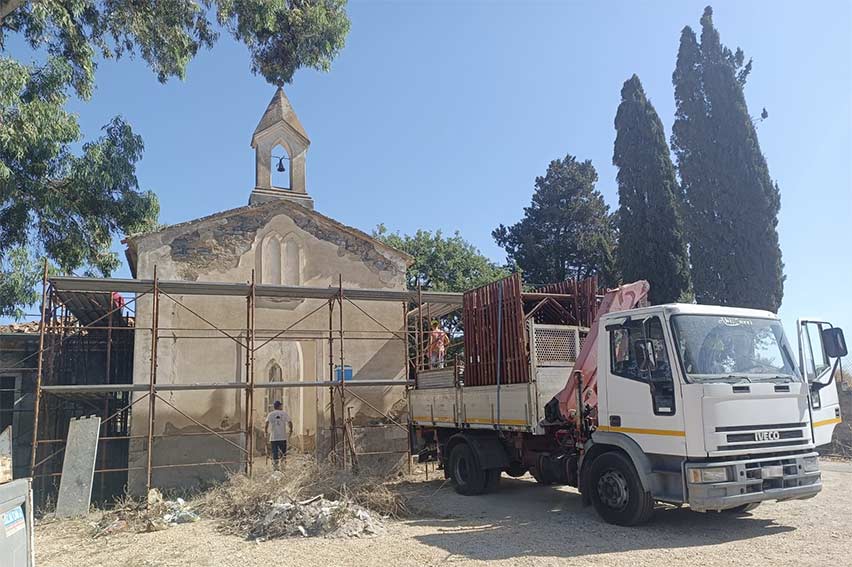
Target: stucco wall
(228, 252)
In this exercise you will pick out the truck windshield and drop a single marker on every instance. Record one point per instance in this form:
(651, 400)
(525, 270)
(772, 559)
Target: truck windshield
(733, 349)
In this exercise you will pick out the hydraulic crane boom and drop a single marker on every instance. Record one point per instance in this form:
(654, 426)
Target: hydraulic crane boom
(628, 296)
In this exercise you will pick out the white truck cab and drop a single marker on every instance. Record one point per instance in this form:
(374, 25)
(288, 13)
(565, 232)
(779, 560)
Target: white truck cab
(711, 405)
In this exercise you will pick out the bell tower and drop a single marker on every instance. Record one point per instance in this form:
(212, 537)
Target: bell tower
(280, 126)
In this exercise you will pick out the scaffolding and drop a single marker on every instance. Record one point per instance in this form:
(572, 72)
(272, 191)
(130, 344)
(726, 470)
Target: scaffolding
(83, 319)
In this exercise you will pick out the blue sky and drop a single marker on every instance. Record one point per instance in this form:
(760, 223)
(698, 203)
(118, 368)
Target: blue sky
(439, 115)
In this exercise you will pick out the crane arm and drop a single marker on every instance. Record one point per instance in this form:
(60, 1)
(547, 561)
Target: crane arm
(628, 296)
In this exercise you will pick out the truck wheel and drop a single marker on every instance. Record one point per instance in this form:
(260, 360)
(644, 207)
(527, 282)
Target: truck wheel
(469, 477)
(492, 479)
(617, 492)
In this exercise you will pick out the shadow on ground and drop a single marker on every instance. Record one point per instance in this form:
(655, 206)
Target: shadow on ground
(526, 519)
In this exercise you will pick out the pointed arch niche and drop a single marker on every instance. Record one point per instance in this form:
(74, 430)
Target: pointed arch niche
(284, 365)
(273, 374)
(280, 261)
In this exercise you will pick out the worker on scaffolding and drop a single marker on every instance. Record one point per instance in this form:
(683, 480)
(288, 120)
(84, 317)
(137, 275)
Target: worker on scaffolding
(278, 421)
(438, 341)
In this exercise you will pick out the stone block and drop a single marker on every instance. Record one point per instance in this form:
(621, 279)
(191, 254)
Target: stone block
(78, 467)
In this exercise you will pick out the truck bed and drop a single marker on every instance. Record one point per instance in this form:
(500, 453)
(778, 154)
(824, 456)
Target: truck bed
(441, 399)
(520, 406)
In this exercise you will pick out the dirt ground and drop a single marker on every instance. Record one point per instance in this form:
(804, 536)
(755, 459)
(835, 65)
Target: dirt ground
(522, 524)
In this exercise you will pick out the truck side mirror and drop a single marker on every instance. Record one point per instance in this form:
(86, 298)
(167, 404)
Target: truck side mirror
(834, 342)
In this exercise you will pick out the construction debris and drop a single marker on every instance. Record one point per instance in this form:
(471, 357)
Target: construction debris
(151, 515)
(305, 499)
(315, 517)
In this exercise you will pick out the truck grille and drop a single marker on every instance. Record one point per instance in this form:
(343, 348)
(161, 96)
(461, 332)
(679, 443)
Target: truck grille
(762, 436)
(792, 475)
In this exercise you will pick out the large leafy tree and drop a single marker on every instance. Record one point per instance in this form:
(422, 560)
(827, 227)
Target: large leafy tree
(66, 199)
(731, 203)
(442, 263)
(566, 231)
(651, 243)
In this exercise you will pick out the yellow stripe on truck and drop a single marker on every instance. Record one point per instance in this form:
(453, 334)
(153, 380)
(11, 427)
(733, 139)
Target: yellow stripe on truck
(827, 421)
(492, 422)
(444, 419)
(668, 432)
(438, 418)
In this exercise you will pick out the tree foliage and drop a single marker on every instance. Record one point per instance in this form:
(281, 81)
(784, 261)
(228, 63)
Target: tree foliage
(442, 263)
(651, 243)
(21, 274)
(281, 35)
(731, 203)
(67, 203)
(566, 231)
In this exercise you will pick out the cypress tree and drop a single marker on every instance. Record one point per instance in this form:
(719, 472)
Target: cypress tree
(731, 203)
(651, 240)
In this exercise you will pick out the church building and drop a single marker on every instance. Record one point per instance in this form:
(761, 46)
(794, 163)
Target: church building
(281, 238)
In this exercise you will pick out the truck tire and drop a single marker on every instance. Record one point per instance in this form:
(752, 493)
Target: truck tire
(617, 492)
(492, 479)
(470, 479)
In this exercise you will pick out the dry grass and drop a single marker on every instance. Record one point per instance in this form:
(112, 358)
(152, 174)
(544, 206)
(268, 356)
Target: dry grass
(241, 502)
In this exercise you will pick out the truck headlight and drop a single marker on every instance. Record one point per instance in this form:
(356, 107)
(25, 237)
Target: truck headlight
(712, 474)
(811, 464)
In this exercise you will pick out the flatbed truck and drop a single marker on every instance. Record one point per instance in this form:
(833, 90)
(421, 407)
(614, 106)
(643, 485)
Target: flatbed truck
(696, 405)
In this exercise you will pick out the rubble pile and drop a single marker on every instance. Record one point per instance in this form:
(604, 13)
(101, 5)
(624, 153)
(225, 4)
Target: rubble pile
(305, 499)
(315, 517)
(152, 515)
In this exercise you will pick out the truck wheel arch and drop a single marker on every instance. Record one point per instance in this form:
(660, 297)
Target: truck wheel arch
(488, 449)
(605, 441)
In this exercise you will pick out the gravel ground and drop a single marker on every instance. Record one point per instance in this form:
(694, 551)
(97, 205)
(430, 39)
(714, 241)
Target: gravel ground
(522, 524)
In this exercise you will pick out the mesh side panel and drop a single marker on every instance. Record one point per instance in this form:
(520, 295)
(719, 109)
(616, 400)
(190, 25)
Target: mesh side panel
(556, 345)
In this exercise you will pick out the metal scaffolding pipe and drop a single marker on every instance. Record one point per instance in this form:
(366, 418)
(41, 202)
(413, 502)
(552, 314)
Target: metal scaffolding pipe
(152, 378)
(40, 370)
(108, 388)
(75, 290)
(68, 284)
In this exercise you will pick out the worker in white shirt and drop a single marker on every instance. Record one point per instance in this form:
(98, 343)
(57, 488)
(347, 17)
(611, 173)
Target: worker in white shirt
(277, 428)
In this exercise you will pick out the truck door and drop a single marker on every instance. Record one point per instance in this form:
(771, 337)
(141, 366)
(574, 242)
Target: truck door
(816, 368)
(642, 396)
